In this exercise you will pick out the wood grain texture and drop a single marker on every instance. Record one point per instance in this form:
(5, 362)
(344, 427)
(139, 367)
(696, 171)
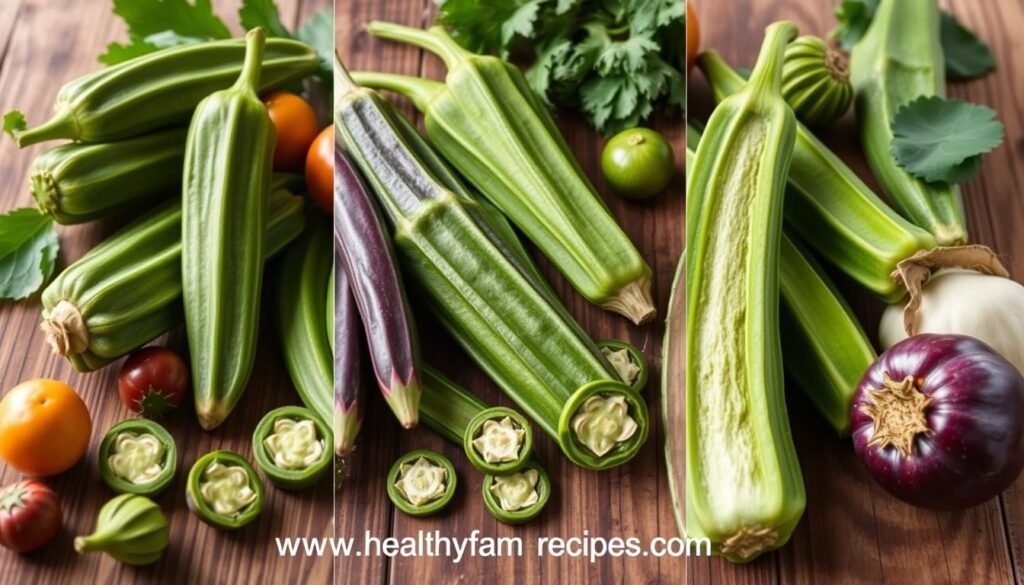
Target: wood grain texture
(43, 44)
(631, 501)
(853, 531)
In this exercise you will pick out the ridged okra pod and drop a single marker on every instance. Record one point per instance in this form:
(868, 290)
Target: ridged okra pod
(161, 89)
(75, 183)
(824, 348)
(490, 126)
(300, 307)
(483, 296)
(897, 60)
(831, 208)
(744, 489)
(127, 290)
(349, 392)
(365, 249)
(228, 161)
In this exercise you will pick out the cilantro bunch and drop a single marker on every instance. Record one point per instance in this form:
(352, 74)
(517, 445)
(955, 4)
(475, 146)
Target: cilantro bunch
(612, 60)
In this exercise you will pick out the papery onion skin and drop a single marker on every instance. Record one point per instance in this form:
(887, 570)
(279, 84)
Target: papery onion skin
(974, 448)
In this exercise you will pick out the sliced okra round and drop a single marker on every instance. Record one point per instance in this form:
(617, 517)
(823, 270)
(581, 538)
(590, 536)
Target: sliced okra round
(138, 456)
(517, 497)
(498, 440)
(629, 362)
(224, 490)
(421, 482)
(292, 447)
(603, 424)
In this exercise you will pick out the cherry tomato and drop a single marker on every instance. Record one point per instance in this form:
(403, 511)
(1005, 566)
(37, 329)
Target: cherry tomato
(320, 170)
(296, 124)
(44, 427)
(638, 163)
(153, 381)
(692, 34)
(30, 516)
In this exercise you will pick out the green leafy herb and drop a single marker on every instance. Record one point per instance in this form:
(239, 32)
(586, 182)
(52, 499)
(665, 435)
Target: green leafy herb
(613, 60)
(942, 140)
(150, 21)
(318, 32)
(854, 16)
(14, 121)
(966, 55)
(28, 251)
(263, 13)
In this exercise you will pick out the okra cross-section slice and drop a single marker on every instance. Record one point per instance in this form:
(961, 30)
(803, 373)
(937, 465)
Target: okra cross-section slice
(629, 362)
(293, 447)
(518, 497)
(138, 456)
(421, 482)
(224, 490)
(498, 440)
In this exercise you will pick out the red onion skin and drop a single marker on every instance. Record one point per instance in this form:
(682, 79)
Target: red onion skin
(975, 449)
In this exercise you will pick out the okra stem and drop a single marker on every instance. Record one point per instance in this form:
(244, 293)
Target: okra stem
(421, 91)
(432, 39)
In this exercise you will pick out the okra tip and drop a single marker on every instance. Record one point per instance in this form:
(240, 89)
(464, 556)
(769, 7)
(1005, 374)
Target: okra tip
(65, 329)
(404, 401)
(62, 125)
(45, 191)
(634, 301)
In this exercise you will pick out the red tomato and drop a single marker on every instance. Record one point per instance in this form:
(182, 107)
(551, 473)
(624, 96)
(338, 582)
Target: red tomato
(29, 516)
(692, 34)
(296, 125)
(320, 170)
(153, 381)
(44, 427)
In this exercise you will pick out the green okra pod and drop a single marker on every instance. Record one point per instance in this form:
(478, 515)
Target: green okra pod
(228, 161)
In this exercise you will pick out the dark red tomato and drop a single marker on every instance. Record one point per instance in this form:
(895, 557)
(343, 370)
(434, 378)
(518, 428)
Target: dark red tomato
(320, 170)
(153, 381)
(938, 420)
(30, 516)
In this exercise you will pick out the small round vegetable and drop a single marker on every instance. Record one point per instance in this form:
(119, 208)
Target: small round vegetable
(153, 381)
(292, 447)
(296, 126)
(30, 516)
(816, 81)
(138, 457)
(131, 528)
(638, 163)
(603, 424)
(224, 491)
(320, 170)
(628, 361)
(938, 420)
(421, 482)
(498, 440)
(692, 35)
(519, 497)
(44, 427)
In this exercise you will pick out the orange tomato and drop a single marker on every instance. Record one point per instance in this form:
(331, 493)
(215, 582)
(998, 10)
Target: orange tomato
(44, 427)
(692, 34)
(296, 125)
(320, 170)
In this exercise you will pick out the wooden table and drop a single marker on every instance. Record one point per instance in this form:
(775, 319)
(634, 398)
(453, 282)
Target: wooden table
(853, 531)
(43, 44)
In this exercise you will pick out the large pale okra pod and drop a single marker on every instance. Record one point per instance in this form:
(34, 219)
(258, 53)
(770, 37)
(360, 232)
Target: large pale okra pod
(831, 208)
(744, 489)
(492, 129)
(897, 60)
(228, 160)
(127, 290)
(300, 304)
(161, 89)
(365, 249)
(482, 295)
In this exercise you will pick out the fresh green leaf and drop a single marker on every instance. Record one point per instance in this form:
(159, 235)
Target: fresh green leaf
(28, 252)
(157, 24)
(967, 56)
(262, 13)
(942, 140)
(117, 53)
(318, 32)
(854, 16)
(521, 22)
(14, 121)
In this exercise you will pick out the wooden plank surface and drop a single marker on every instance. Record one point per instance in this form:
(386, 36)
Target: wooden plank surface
(631, 501)
(43, 44)
(853, 531)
